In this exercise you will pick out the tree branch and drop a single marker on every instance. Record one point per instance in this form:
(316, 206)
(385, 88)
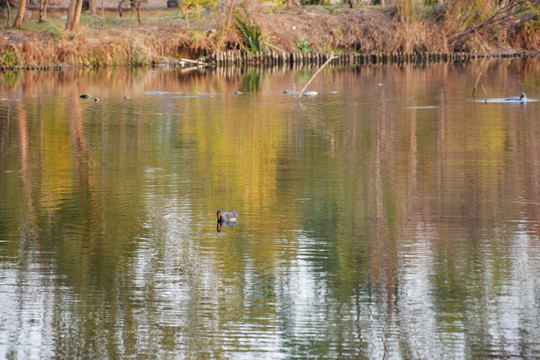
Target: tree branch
(501, 15)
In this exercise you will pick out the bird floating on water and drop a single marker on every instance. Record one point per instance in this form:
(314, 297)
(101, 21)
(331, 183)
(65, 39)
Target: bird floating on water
(226, 217)
(522, 97)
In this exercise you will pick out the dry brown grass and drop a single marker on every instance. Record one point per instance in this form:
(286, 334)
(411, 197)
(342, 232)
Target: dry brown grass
(113, 41)
(356, 30)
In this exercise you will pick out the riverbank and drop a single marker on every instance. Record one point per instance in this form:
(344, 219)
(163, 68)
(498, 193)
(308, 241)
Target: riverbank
(165, 36)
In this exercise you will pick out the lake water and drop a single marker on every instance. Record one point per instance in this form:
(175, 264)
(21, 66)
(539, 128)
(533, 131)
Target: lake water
(389, 217)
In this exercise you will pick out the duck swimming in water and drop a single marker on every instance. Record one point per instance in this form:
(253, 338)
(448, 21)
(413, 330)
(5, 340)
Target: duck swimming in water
(522, 97)
(226, 217)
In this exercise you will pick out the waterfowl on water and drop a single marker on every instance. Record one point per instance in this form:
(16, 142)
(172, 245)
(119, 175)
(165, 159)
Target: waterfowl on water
(515, 98)
(227, 217)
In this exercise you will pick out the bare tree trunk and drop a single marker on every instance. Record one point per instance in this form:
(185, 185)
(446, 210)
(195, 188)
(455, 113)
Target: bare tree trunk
(92, 4)
(229, 17)
(71, 14)
(20, 14)
(9, 12)
(120, 7)
(40, 11)
(43, 10)
(139, 3)
(74, 14)
(77, 17)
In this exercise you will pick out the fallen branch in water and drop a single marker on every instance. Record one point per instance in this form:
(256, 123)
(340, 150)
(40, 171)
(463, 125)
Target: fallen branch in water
(192, 61)
(475, 85)
(485, 92)
(332, 57)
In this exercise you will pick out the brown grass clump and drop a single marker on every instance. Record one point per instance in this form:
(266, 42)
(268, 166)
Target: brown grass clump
(355, 30)
(19, 48)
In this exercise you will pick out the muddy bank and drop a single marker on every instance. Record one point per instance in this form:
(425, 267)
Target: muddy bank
(164, 38)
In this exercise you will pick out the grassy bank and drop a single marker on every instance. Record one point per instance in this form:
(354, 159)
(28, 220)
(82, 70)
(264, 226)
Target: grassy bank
(164, 34)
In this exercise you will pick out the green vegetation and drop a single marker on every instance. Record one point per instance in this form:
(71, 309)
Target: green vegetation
(251, 33)
(11, 59)
(196, 7)
(303, 46)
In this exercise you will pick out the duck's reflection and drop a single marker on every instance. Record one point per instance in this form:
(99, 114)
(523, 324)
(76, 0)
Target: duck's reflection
(220, 225)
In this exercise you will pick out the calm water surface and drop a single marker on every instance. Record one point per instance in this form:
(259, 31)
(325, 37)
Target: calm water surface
(389, 217)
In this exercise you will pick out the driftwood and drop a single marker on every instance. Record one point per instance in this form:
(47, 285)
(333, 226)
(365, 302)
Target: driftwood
(475, 85)
(332, 57)
(485, 92)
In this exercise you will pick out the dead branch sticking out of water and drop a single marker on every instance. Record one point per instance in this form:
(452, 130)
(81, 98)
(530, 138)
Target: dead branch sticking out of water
(475, 85)
(485, 92)
(332, 57)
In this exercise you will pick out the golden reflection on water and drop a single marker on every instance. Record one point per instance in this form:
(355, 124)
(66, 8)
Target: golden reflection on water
(387, 217)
